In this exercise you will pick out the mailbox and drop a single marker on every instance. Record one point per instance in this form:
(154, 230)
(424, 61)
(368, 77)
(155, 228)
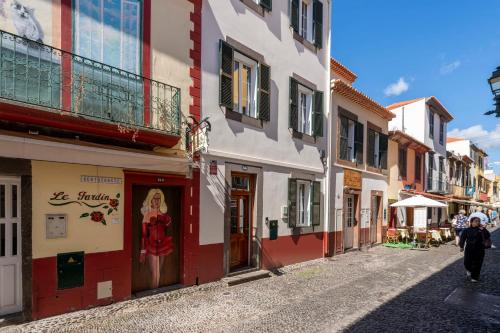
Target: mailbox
(273, 229)
(70, 270)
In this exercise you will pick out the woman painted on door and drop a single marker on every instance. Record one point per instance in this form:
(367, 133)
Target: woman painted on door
(155, 243)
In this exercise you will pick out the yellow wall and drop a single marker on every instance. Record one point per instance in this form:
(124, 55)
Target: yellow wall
(392, 162)
(82, 233)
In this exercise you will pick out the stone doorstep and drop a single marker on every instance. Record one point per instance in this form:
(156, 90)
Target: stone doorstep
(246, 277)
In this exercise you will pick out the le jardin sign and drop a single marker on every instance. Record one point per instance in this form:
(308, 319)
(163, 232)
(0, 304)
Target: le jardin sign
(100, 205)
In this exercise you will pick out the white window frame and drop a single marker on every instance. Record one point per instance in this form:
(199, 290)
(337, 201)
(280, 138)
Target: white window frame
(304, 216)
(81, 49)
(252, 98)
(309, 20)
(305, 120)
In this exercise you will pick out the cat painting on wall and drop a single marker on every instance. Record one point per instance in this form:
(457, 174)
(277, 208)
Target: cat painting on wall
(25, 21)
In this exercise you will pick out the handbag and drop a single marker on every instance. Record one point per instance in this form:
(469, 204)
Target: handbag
(486, 242)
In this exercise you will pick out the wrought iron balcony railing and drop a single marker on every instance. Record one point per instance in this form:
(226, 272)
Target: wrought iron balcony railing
(438, 186)
(44, 76)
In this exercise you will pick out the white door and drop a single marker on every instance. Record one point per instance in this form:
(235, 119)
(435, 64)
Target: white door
(10, 246)
(349, 223)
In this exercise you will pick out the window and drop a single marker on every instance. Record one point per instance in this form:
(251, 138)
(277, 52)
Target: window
(304, 203)
(377, 149)
(351, 140)
(431, 124)
(418, 167)
(306, 109)
(109, 31)
(402, 162)
(441, 130)
(244, 84)
(265, 4)
(307, 20)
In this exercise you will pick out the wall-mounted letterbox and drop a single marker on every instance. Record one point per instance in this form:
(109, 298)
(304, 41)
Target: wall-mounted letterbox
(70, 269)
(273, 229)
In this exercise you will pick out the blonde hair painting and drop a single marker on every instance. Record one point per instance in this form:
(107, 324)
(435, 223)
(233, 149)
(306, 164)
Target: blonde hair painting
(146, 205)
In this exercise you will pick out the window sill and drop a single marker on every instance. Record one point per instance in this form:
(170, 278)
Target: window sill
(350, 164)
(304, 137)
(304, 42)
(255, 7)
(254, 122)
(377, 170)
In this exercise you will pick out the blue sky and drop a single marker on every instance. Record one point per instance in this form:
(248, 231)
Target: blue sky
(402, 49)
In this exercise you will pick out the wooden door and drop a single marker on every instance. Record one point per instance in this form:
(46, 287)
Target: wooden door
(240, 231)
(349, 221)
(10, 246)
(156, 223)
(409, 216)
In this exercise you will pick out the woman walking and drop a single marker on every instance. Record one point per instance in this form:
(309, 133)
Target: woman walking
(460, 223)
(475, 239)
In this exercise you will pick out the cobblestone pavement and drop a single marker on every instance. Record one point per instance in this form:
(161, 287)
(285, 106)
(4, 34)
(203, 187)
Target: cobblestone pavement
(379, 290)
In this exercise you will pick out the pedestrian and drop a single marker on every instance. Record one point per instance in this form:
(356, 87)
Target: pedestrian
(460, 224)
(475, 239)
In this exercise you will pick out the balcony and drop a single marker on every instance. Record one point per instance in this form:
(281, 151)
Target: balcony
(457, 191)
(469, 191)
(45, 86)
(483, 196)
(437, 186)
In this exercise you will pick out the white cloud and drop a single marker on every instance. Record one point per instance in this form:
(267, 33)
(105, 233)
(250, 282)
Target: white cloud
(480, 136)
(450, 68)
(397, 88)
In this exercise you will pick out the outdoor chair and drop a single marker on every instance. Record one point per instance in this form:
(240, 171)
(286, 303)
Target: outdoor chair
(422, 239)
(392, 236)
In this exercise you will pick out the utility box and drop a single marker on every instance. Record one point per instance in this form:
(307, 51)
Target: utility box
(70, 270)
(273, 229)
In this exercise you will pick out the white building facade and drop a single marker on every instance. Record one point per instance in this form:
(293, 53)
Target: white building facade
(265, 69)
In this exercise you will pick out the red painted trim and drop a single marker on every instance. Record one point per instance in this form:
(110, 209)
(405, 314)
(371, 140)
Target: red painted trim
(292, 249)
(146, 58)
(195, 55)
(63, 120)
(211, 258)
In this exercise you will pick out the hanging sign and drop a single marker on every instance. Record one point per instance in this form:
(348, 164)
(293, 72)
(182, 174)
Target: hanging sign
(213, 168)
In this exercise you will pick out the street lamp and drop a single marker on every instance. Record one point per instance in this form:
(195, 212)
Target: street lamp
(494, 82)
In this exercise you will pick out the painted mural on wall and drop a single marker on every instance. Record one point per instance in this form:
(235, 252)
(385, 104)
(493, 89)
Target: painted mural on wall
(156, 244)
(100, 205)
(29, 19)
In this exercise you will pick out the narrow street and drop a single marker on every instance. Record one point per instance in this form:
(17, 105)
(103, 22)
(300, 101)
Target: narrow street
(377, 290)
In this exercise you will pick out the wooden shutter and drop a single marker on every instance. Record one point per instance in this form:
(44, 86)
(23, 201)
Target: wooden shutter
(344, 138)
(382, 147)
(294, 15)
(294, 105)
(370, 153)
(226, 75)
(292, 202)
(316, 203)
(317, 120)
(266, 4)
(264, 92)
(358, 142)
(318, 23)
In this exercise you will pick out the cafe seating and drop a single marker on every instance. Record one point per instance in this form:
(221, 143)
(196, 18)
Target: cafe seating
(392, 235)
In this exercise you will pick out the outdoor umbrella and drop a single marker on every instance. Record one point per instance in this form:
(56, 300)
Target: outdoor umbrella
(418, 201)
(482, 217)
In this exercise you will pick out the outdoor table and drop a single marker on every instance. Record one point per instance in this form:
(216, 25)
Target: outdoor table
(446, 232)
(403, 233)
(435, 235)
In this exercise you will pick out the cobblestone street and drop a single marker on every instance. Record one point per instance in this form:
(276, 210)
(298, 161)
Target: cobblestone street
(377, 290)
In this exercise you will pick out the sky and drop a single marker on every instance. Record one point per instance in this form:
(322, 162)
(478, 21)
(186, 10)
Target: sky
(406, 49)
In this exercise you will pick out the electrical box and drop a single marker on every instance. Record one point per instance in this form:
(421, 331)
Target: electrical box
(56, 226)
(273, 229)
(70, 270)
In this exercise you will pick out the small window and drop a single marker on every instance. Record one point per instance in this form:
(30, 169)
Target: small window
(306, 25)
(402, 162)
(441, 130)
(418, 167)
(431, 124)
(240, 183)
(245, 85)
(303, 203)
(351, 140)
(305, 110)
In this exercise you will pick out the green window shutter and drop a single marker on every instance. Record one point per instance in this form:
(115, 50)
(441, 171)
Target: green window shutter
(318, 23)
(344, 139)
(292, 202)
(318, 113)
(294, 15)
(293, 122)
(358, 142)
(226, 75)
(316, 203)
(265, 92)
(383, 144)
(370, 158)
(266, 4)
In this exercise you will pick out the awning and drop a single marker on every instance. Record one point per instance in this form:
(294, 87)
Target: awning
(425, 194)
(419, 201)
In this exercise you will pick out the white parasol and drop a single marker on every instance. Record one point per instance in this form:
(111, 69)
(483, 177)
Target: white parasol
(418, 201)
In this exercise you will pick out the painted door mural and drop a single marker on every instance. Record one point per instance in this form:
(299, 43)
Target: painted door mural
(10, 246)
(156, 229)
(349, 222)
(376, 216)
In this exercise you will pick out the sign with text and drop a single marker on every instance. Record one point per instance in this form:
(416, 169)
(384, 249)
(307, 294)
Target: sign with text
(352, 179)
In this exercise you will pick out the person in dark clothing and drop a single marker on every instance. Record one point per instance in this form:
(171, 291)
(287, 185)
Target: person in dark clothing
(473, 239)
